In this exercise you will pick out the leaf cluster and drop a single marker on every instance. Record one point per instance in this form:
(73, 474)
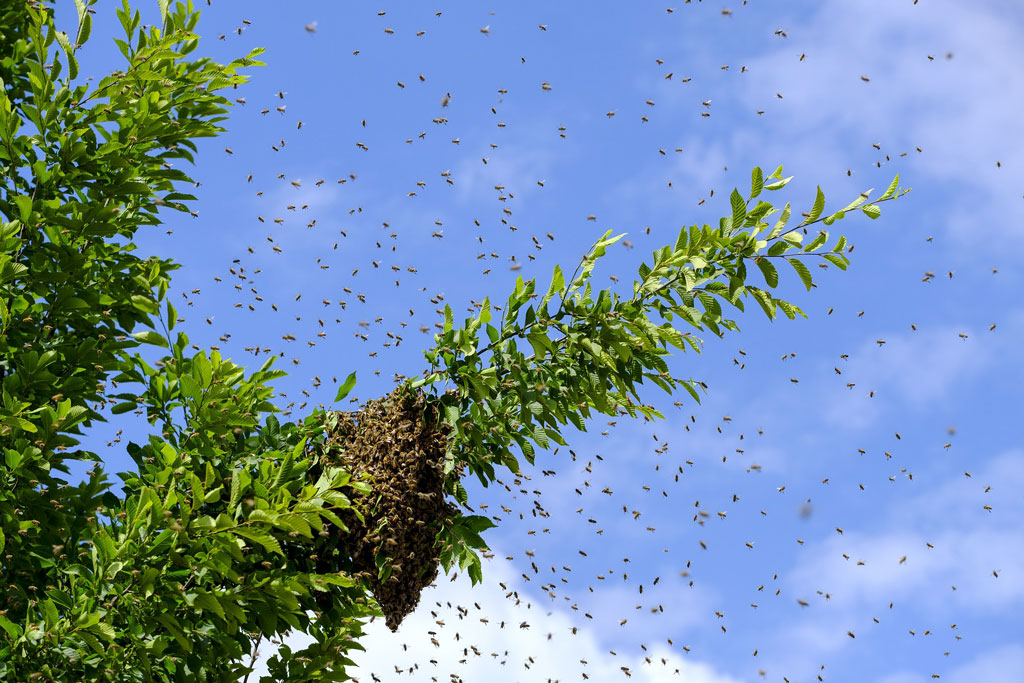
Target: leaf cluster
(557, 359)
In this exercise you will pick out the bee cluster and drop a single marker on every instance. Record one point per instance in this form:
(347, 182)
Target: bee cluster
(400, 442)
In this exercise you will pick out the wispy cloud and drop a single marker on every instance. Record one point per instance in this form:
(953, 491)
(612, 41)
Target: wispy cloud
(971, 569)
(491, 632)
(912, 370)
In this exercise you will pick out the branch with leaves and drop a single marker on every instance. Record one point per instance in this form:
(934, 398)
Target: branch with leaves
(518, 383)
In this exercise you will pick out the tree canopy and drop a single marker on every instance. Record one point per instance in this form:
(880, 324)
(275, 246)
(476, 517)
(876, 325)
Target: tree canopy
(236, 526)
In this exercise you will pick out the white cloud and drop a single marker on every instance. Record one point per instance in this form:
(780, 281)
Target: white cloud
(969, 542)
(971, 545)
(914, 370)
(468, 649)
(998, 665)
(962, 111)
(1002, 664)
(516, 168)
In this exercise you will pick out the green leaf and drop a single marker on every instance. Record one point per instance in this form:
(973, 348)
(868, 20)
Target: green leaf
(474, 571)
(210, 603)
(65, 44)
(739, 209)
(262, 537)
(556, 287)
(540, 436)
(771, 276)
(106, 546)
(164, 4)
(861, 198)
(84, 28)
(781, 223)
(172, 625)
(756, 182)
(202, 370)
(50, 613)
(145, 304)
(891, 190)
(819, 206)
(105, 630)
(151, 337)
(476, 524)
(24, 204)
(21, 423)
(13, 630)
(802, 271)
(346, 386)
(778, 185)
(765, 299)
(872, 211)
(189, 387)
(124, 407)
(821, 238)
(838, 261)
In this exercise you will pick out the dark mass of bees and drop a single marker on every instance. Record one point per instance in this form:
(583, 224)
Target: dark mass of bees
(397, 443)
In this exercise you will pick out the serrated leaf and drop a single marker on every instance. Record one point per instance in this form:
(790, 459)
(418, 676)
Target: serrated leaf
(556, 287)
(789, 309)
(872, 211)
(106, 546)
(739, 209)
(474, 571)
(781, 223)
(819, 240)
(863, 197)
(540, 436)
(817, 208)
(756, 182)
(189, 387)
(65, 44)
(802, 271)
(838, 261)
(164, 5)
(202, 370)
(50, 613)
(262, 537)
(84, 28)
(837, 216)
(21, 423)
(765, 299)
(771, 276)
(778, 185)
(105, 630)
(891, 190)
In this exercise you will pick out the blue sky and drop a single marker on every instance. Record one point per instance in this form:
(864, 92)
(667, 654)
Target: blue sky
(557, 98)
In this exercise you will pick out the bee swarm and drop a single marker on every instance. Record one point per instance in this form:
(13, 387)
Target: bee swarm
(399, 441)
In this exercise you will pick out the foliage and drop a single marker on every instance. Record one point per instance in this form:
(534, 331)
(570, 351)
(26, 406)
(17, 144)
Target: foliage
(175, 578)
(545, 366)
(216, 543)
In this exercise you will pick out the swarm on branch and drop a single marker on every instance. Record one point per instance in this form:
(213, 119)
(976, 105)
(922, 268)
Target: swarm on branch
(398, 443)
